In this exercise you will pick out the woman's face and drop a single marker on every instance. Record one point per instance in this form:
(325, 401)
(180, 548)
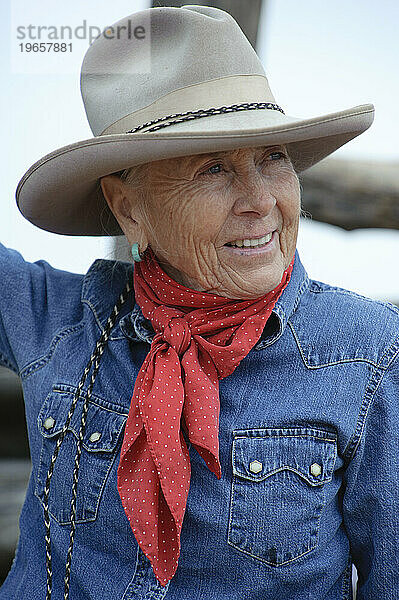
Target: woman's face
(200, 205)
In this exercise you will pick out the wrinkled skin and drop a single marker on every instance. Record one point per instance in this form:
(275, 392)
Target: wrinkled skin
(198, 203)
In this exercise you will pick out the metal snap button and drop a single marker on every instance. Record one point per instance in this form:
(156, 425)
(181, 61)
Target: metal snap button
(95, 436)
(48, 423)
(315, 469)
(255, 466)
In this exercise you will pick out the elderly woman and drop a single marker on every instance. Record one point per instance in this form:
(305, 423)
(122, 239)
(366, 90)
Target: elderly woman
(212, 424)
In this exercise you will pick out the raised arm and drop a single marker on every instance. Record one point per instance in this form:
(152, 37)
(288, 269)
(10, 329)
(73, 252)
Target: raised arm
(37, 302)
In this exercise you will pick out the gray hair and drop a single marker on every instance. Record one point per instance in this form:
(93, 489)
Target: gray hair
(136, 178)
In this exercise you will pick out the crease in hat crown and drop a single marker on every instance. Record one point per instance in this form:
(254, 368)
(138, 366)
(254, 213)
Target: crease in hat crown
(191, 58)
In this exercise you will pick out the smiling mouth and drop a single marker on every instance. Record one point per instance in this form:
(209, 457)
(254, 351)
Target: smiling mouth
(251, 242)
(259, 248)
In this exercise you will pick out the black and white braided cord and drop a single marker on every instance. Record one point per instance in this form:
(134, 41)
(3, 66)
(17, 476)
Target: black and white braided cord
(94, 360)
(197, 114)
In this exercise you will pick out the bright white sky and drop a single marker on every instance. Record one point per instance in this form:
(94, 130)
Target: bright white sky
(319, 57)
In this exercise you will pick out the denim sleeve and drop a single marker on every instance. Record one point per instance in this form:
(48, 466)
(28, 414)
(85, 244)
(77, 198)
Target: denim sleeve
(36, 303)
(371, 499)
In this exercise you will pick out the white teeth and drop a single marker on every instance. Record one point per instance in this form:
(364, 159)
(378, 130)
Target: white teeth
(252, 243)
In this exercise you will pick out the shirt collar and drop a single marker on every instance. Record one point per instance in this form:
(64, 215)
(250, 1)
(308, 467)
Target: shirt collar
(139, 329)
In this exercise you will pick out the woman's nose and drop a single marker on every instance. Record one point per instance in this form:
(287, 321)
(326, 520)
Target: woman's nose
(254, 196)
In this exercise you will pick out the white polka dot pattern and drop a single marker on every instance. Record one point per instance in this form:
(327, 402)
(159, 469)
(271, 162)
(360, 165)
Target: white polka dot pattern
(199, 339)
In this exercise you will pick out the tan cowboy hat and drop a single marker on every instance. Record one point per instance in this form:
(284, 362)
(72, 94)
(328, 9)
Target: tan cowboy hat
(168, 82)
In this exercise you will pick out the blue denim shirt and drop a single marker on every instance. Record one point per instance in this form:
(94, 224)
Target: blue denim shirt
(309, 446)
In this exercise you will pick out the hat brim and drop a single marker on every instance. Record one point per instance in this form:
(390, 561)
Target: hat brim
(61, 192)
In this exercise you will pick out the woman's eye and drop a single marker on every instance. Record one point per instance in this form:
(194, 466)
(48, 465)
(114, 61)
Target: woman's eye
(217, 168)
(214, 169)
(276, 155)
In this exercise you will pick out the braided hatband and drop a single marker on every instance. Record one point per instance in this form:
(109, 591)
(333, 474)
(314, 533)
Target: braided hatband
(197, 114)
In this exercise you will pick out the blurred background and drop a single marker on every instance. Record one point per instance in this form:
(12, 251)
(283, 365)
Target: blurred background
(319, 58)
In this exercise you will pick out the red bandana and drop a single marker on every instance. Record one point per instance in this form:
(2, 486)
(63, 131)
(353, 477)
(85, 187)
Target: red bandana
(199, 339)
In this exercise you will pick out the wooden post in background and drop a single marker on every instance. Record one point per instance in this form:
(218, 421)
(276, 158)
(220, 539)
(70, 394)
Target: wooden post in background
(245, 12)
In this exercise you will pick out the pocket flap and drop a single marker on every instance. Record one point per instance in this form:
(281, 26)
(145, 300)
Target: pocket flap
(260, 453)
(103, 425)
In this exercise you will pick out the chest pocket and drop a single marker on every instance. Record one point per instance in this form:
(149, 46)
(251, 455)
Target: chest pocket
(103, 429)
(278, 494)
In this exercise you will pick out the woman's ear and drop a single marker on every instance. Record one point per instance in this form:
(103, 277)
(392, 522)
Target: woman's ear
(119, 198)
(113, 189)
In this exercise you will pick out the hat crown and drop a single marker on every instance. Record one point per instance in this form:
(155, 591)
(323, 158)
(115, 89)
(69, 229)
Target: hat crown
(175, 48)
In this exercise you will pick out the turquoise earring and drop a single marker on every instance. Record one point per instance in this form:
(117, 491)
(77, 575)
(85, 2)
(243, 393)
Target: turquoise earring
(135, 252)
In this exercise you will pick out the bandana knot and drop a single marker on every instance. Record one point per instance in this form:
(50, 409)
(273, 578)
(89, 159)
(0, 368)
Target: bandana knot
(173, 328)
